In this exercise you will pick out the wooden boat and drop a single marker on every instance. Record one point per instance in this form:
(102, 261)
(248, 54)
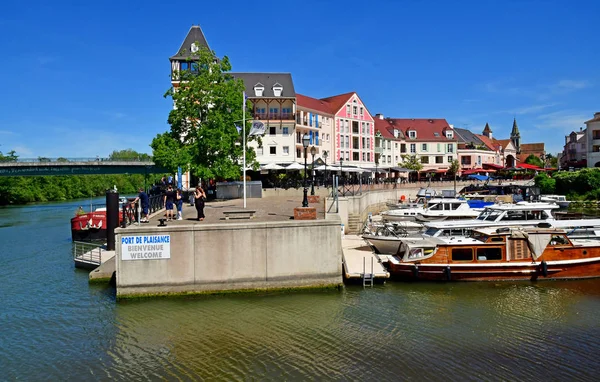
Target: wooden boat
(498, 254)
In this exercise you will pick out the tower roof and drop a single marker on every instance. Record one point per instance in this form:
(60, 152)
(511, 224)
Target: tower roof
(487, 128)
(194, 35)
(515, 129)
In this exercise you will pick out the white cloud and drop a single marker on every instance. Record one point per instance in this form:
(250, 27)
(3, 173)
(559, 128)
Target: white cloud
(7, 132)
(530, 109)
(564, 120)
(570, 85)
(23, 151)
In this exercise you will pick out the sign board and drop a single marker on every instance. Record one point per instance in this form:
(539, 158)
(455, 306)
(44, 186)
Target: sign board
(146, 247)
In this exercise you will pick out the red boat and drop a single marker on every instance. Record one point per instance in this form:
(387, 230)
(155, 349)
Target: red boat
(90, 226)
(498, 254)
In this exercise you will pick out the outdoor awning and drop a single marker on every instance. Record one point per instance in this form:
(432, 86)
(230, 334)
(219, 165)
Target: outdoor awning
(473, 171)
(479, 177)
(435, 171)
(294, 166)
(401, 169)
(493, 165)
(527, 166)
(272, 166)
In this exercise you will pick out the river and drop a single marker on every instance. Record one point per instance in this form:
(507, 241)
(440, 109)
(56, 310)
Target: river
(55, 326)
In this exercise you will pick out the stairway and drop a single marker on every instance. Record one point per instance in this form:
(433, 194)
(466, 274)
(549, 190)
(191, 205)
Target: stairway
(354, 224)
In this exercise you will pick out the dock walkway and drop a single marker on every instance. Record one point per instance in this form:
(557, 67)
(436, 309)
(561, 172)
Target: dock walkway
(357, 258)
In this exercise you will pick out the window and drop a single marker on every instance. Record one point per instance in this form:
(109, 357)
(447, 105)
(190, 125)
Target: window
(465, 160)
(355, 143)
(389, 159)
(439, 148)
(424, 147)
(396, 145)
(450, 147)
(347, 155)
(272, 130)
(596, 134)
(185, 65)
(425, 159)
(364, 142)
(449, 134)
(354, 110)
(413, 148)
(412, 134)
(356, 157)
(260, 111)
(382, 159)
(273, 150)
(462, 254)
(341, 141)
(362, 111)
(450, 159)
(368, 143)
(258, 89)
(298, 153)
(355, 127)
(402, 147)
(347, 141)
(558, 240)
(259, 151)
(277, 89)
(286, 112)
(347, 109)
(489, 253)
(389, 145)
(396, 158)
(439, 159)
(286, 150)
(286, 131)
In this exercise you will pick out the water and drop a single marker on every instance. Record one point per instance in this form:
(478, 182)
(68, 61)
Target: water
(54, 326)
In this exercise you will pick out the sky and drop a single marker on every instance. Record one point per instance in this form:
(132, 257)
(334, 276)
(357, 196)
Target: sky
(81, 79)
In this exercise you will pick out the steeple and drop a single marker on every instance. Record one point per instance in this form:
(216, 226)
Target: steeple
(515, 136)
(487, 131)
(189, 43)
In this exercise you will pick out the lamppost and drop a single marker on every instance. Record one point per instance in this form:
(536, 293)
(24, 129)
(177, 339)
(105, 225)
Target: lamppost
(342, 167)
(325, 159)
(305, 143)
(376, 164)
(313, 151)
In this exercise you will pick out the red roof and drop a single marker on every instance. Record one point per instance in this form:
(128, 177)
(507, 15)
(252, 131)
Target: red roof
(314, 104)
(493, 165)
(338, 101)
(529, 167)
(386, 129)
(427, 129)
(502, 142)
(489, 143)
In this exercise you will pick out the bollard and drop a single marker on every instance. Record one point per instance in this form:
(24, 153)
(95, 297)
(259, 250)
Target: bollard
(112, 218)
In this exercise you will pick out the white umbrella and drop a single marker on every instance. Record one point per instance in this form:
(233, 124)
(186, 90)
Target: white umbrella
(354, 169)
(272, 166)
(295, 166)
(328, 168)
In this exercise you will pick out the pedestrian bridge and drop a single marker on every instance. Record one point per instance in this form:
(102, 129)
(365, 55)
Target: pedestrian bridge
(77, 166)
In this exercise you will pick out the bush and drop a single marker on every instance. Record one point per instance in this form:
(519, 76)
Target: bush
(546, 184)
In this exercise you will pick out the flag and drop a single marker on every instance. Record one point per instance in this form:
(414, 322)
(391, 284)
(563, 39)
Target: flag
(258, 128)
(238, 128)
(245, 98)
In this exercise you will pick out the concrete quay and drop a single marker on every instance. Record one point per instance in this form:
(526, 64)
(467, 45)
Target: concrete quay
(269, 252)
(358, 259)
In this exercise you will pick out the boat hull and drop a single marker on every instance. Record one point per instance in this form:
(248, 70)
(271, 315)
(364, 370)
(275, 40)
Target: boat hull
(550, 270)
(384, 244)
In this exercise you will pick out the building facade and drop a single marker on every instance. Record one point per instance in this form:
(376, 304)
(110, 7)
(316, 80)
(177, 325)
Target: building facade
(314, 118)
(354, 131)
(593, 141)
(574, 154)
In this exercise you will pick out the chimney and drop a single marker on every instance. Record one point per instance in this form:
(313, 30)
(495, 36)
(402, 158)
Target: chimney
(380, 116)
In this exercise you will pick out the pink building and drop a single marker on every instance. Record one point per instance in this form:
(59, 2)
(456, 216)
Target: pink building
(353, 130)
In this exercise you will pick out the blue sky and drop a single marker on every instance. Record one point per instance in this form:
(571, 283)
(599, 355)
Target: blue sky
(85, 78)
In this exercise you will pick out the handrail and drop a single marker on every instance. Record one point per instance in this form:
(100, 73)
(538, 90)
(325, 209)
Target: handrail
(67, 160)
(88, 252)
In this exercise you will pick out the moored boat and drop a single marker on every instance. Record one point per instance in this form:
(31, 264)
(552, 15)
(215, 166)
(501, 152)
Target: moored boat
(498, 254)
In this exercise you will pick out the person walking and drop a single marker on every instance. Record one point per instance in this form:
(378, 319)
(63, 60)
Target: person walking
(169, 200)
(144, 204)
(199, 199)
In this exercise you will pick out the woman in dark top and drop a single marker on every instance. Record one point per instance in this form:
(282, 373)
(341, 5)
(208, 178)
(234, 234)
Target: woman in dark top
(199, 198)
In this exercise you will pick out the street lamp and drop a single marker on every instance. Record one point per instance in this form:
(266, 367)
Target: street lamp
(325, 159)
(305, 143)
(376, 164)
(342, 167)
(313, 151)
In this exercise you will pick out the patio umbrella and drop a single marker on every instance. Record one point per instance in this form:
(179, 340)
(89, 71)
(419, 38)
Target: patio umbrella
(272, 166)
(295, 166)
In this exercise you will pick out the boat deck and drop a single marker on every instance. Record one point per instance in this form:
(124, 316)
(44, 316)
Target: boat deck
(357, 258)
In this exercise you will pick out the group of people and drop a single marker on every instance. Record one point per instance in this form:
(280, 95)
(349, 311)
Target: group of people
(172, 199)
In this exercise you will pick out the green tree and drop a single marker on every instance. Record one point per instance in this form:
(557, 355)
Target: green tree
(169, 153)
(129, 155)
(208, 104)
(552, 161)
(10, 156)
(453, 170)
(533, 160)
(546, 184)
(411, 162)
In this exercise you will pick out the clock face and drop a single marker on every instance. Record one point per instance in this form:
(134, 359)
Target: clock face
(194, 48)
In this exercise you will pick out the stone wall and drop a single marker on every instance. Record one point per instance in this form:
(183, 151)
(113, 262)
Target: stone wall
(236, 256)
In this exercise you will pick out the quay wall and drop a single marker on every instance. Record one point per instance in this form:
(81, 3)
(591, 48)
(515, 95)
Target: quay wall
(223, 257)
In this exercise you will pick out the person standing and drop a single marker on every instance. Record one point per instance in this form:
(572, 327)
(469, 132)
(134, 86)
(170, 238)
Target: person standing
(169, 200)
(144, 204)
(179, 202)
(199, 199)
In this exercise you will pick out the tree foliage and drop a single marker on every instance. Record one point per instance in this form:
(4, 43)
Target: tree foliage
(411, 162)
(533, 160)
(10, 156)
(129, 155)
(208, 104)
(454, 167)
(546, 184)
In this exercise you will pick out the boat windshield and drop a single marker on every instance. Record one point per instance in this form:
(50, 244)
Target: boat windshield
(431, 231)
(489, 215)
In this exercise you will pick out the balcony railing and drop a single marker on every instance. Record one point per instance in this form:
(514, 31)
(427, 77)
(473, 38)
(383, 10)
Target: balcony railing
(274, 116)
(307, 122)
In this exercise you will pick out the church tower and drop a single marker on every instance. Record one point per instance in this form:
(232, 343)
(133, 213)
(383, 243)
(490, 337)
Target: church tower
(191, 44)
(487, 131)
(515, 137)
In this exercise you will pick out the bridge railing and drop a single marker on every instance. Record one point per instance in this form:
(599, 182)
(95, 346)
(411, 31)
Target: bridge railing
(87, 252)
(83, 159)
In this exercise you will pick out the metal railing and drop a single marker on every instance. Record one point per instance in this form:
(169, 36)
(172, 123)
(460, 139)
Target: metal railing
(130, 211)
(87, 252)
(67, 160)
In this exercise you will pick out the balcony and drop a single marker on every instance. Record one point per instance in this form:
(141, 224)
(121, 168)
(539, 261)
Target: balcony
(307, 123)
(274, 116)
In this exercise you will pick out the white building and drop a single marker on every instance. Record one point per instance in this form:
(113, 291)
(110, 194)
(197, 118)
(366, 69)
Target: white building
(593, 141)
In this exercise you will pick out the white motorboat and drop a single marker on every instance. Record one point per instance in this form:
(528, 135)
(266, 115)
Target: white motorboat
(446, 209)
(522, 214)
(561, 200)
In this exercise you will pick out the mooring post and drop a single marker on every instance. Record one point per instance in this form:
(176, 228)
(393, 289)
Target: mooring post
(112, 218)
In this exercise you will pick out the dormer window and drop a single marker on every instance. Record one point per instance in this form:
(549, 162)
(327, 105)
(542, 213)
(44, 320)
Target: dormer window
(449, 134)
(277, 89)
(259, 89)
(412, 134)
(396, 133)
